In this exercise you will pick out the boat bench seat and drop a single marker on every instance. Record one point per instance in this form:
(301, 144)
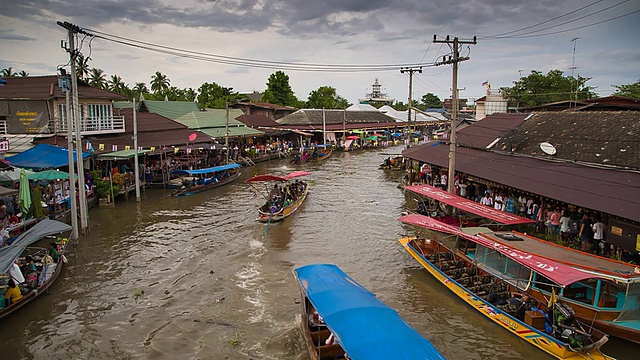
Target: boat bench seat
(320, 336)
(330, 352)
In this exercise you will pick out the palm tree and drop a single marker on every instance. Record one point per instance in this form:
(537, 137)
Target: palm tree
(115, 84)
(159, 82)
(82, 68)
(8, 72)
(97, 78)
(140, 88)
(23, 73)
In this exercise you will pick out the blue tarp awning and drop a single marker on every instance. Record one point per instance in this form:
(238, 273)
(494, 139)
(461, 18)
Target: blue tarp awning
(208, 170)
(43, 156)
(364, 326)
(39, 231)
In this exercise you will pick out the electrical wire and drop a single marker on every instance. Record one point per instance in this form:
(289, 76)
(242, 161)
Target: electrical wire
(256, 63)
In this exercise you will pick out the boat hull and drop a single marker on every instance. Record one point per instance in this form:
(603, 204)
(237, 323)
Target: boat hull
(534, 337)
(33, 295)
(200, 188)
(285, 212)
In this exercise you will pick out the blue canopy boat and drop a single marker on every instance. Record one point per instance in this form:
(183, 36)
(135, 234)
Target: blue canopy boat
(362, 325)
(195, 181)
(46, 274)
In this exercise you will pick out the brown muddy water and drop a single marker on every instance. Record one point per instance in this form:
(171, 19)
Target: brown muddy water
(216, 284)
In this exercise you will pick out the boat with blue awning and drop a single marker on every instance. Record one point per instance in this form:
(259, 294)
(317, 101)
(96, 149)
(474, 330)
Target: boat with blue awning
(342, 319)
(190, 182)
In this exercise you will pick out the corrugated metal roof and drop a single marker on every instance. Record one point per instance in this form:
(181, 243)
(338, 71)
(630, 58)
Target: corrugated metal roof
(482, 133)
(46, 87)
(314, 117)
(609, 191)
(171, 109)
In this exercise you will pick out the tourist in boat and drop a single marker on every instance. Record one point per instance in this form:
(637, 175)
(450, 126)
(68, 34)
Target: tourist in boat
(53, 252)
(12, 294)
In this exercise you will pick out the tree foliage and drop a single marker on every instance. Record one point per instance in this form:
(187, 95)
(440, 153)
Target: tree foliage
(279, 91)
(159, 82)
(97, 78)
(8, 72)
(214, 96)
(538, 88)
(628, 90)
(429, 101)
(326, 97)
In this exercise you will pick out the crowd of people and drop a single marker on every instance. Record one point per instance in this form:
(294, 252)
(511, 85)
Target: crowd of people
(573, 226)
(282, 196)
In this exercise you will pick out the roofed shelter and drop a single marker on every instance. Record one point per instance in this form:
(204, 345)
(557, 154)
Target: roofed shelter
(43, 156)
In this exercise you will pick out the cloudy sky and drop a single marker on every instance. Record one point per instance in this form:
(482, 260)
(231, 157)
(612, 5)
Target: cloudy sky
(334, 32)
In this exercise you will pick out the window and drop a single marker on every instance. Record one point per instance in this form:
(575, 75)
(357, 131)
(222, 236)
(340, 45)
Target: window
(99, 117)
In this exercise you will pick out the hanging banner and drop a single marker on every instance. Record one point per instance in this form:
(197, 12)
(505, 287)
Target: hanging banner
(27, 117)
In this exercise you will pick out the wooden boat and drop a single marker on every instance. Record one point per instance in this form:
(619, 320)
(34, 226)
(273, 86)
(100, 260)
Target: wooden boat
(280, 206)
(487, 269)
(21, 247)
(607, 300)
(363, 326)
(392, 162)
(195, 181)
(314, 154)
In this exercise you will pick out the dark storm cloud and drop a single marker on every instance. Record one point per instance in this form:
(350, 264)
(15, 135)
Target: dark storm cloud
(299, 17)
(9, 35)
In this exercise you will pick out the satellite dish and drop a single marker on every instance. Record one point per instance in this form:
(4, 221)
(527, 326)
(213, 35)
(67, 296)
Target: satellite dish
(547, 148)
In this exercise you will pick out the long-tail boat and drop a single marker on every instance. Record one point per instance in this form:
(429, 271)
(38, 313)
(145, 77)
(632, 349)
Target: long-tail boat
(341, 319)
(315, 153)
(487, 271)
(46, 273)
(610, 300)
(194, 181)
(281, 201)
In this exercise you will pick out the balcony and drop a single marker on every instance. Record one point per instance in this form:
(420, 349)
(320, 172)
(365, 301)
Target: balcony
(91, 125)
(3, 127)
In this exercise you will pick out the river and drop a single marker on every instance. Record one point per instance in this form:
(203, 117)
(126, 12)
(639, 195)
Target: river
(198, 278)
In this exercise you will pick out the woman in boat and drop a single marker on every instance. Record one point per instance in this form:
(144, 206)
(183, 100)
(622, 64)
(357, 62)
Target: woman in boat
(13, 294)
(53, 252)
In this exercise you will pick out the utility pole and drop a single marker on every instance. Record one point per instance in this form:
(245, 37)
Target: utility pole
(135, 150)
(573, 67)
(66, 88)
(226, 130)
(410, 71)
(73, 52)
(454, 106)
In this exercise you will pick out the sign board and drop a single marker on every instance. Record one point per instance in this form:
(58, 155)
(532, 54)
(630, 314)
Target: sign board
(4, 146)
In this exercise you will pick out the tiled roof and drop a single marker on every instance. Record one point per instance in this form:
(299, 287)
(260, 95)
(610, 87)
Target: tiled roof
(599, 137)
(257, 120)
(46, 87)
(263, 105)
(171, 109)
(482, 133)
(606, 190)
(314, 117)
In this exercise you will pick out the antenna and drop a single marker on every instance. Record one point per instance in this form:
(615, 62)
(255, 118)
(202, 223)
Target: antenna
(573, 68)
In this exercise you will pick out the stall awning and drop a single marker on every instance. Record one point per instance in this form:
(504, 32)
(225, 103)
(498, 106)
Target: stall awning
(463, 204)
(121, 155)
(43, 156)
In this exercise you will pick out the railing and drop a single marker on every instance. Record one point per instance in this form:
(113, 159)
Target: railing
(3, 127)
(91, 125)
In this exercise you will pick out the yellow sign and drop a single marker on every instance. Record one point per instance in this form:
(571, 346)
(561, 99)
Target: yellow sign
(638, 242)
(616, 230)
(127, 147)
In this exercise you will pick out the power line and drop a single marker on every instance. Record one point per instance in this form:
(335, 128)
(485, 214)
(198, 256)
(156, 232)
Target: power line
(257, 63)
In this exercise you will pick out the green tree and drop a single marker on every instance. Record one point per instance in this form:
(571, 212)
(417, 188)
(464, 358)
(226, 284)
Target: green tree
(430, 101)
(628, 90)
(279, 90)
(326, 97)
(82, 68)
(23, 73)
(97, 78)
(214, 96)
(140, 88)
(8, 72)
(116, 84)
(159, 82)
(538, 88)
